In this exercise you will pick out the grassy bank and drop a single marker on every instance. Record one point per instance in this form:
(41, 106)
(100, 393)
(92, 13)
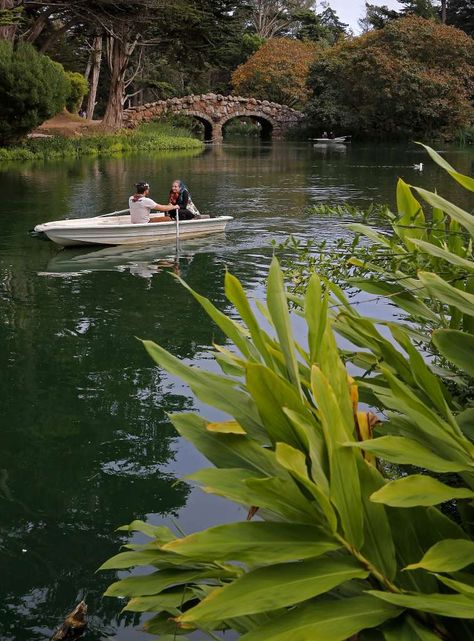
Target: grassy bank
(150, 137)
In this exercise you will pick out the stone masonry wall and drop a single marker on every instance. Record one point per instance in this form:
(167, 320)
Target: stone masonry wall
(214, 110)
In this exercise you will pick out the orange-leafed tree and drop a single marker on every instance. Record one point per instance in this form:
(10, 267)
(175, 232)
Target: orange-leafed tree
(278, 72)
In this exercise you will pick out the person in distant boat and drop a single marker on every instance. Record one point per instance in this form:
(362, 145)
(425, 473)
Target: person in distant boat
(180, 197)
(331, 135)
(325, 134)
(141, 206)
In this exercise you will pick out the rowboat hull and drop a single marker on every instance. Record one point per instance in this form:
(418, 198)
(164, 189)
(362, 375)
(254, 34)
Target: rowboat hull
(117, 230)
(331, 141)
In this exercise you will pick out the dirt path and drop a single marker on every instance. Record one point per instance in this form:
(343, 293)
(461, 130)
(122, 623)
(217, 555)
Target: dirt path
(66, 124)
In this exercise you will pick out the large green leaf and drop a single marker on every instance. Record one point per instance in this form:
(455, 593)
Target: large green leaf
(457, 347)
(456, 213)
(416, 490)
(398, 294)
(216, 390)
(168, 601)
(324, 621)
(295, 462)
(465, 181)
(277, 586)
(140, 558)
(271, 394)
(378, 545)
(408, 629)
(284, 498)
(148, 584)
(227, 450)
(159, 532)
(236, 295)
(311, 432)
(448, 605)
(405, 451)
(441, 433)
(447, 294)
(315, 311)
(344, 477)
(449, 555)
(371, 234)
(278, 307)
(255, 542)
(458, 586)
(228, 483)
(435, 393)
(410, 215)
(446, 255)
(237, 334)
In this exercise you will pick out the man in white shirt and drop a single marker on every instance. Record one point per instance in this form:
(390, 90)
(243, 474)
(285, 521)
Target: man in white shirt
(141, 206)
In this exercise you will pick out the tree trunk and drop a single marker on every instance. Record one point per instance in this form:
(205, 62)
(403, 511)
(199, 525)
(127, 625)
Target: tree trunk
(96, 57)
(119, 50)
(8, 31)
(37, 28)
(443, 11)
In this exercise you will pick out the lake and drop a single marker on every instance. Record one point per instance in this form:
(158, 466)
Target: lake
(86, 445)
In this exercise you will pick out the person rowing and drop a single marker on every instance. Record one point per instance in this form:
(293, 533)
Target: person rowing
(141, 206)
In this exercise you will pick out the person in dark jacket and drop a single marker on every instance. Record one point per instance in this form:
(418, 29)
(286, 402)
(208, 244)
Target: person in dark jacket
(180, 196)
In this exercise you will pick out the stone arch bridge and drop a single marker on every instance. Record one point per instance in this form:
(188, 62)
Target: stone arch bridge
(214, 111)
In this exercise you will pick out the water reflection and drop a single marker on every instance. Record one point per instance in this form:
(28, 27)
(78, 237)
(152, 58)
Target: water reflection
(144, 262)
(86, 443)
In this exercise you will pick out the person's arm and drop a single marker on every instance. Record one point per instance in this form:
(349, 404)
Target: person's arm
(170, 207)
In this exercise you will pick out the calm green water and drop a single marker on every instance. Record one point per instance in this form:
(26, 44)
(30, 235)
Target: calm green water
(85, 442)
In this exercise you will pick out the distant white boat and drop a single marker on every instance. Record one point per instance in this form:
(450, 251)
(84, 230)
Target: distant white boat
(116, 229)
(331, 141)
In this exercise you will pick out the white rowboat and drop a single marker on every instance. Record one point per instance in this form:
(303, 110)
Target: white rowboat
(330, 141)
(114, 229)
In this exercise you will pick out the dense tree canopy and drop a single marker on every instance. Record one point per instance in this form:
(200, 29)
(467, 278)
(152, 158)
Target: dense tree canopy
(458, 13)
(277, 71)
(137, 51)
(415, 77)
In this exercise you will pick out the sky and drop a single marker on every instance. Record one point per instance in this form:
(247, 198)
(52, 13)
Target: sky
(349, 11)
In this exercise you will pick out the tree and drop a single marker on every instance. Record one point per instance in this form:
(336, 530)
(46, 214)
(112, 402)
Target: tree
(277, 71)
(412, 78)
(33, 88)
(10, 15)
(376, 17)
(460, 14)
(324, 27)
(273, 17)
(421, 8)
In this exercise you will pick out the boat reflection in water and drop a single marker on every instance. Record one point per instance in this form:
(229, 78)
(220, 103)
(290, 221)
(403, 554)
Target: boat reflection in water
(138, 260)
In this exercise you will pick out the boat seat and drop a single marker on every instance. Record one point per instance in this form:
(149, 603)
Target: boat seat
(202, 216)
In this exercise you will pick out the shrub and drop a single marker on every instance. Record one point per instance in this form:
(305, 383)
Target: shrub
(33, 88)
(79, 88)
(415, 77)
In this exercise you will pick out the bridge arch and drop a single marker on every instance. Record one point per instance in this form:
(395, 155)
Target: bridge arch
(215, 110)
(204, 120)
(268, 124)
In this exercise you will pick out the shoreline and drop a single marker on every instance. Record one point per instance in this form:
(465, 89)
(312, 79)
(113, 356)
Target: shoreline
(153, 137)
